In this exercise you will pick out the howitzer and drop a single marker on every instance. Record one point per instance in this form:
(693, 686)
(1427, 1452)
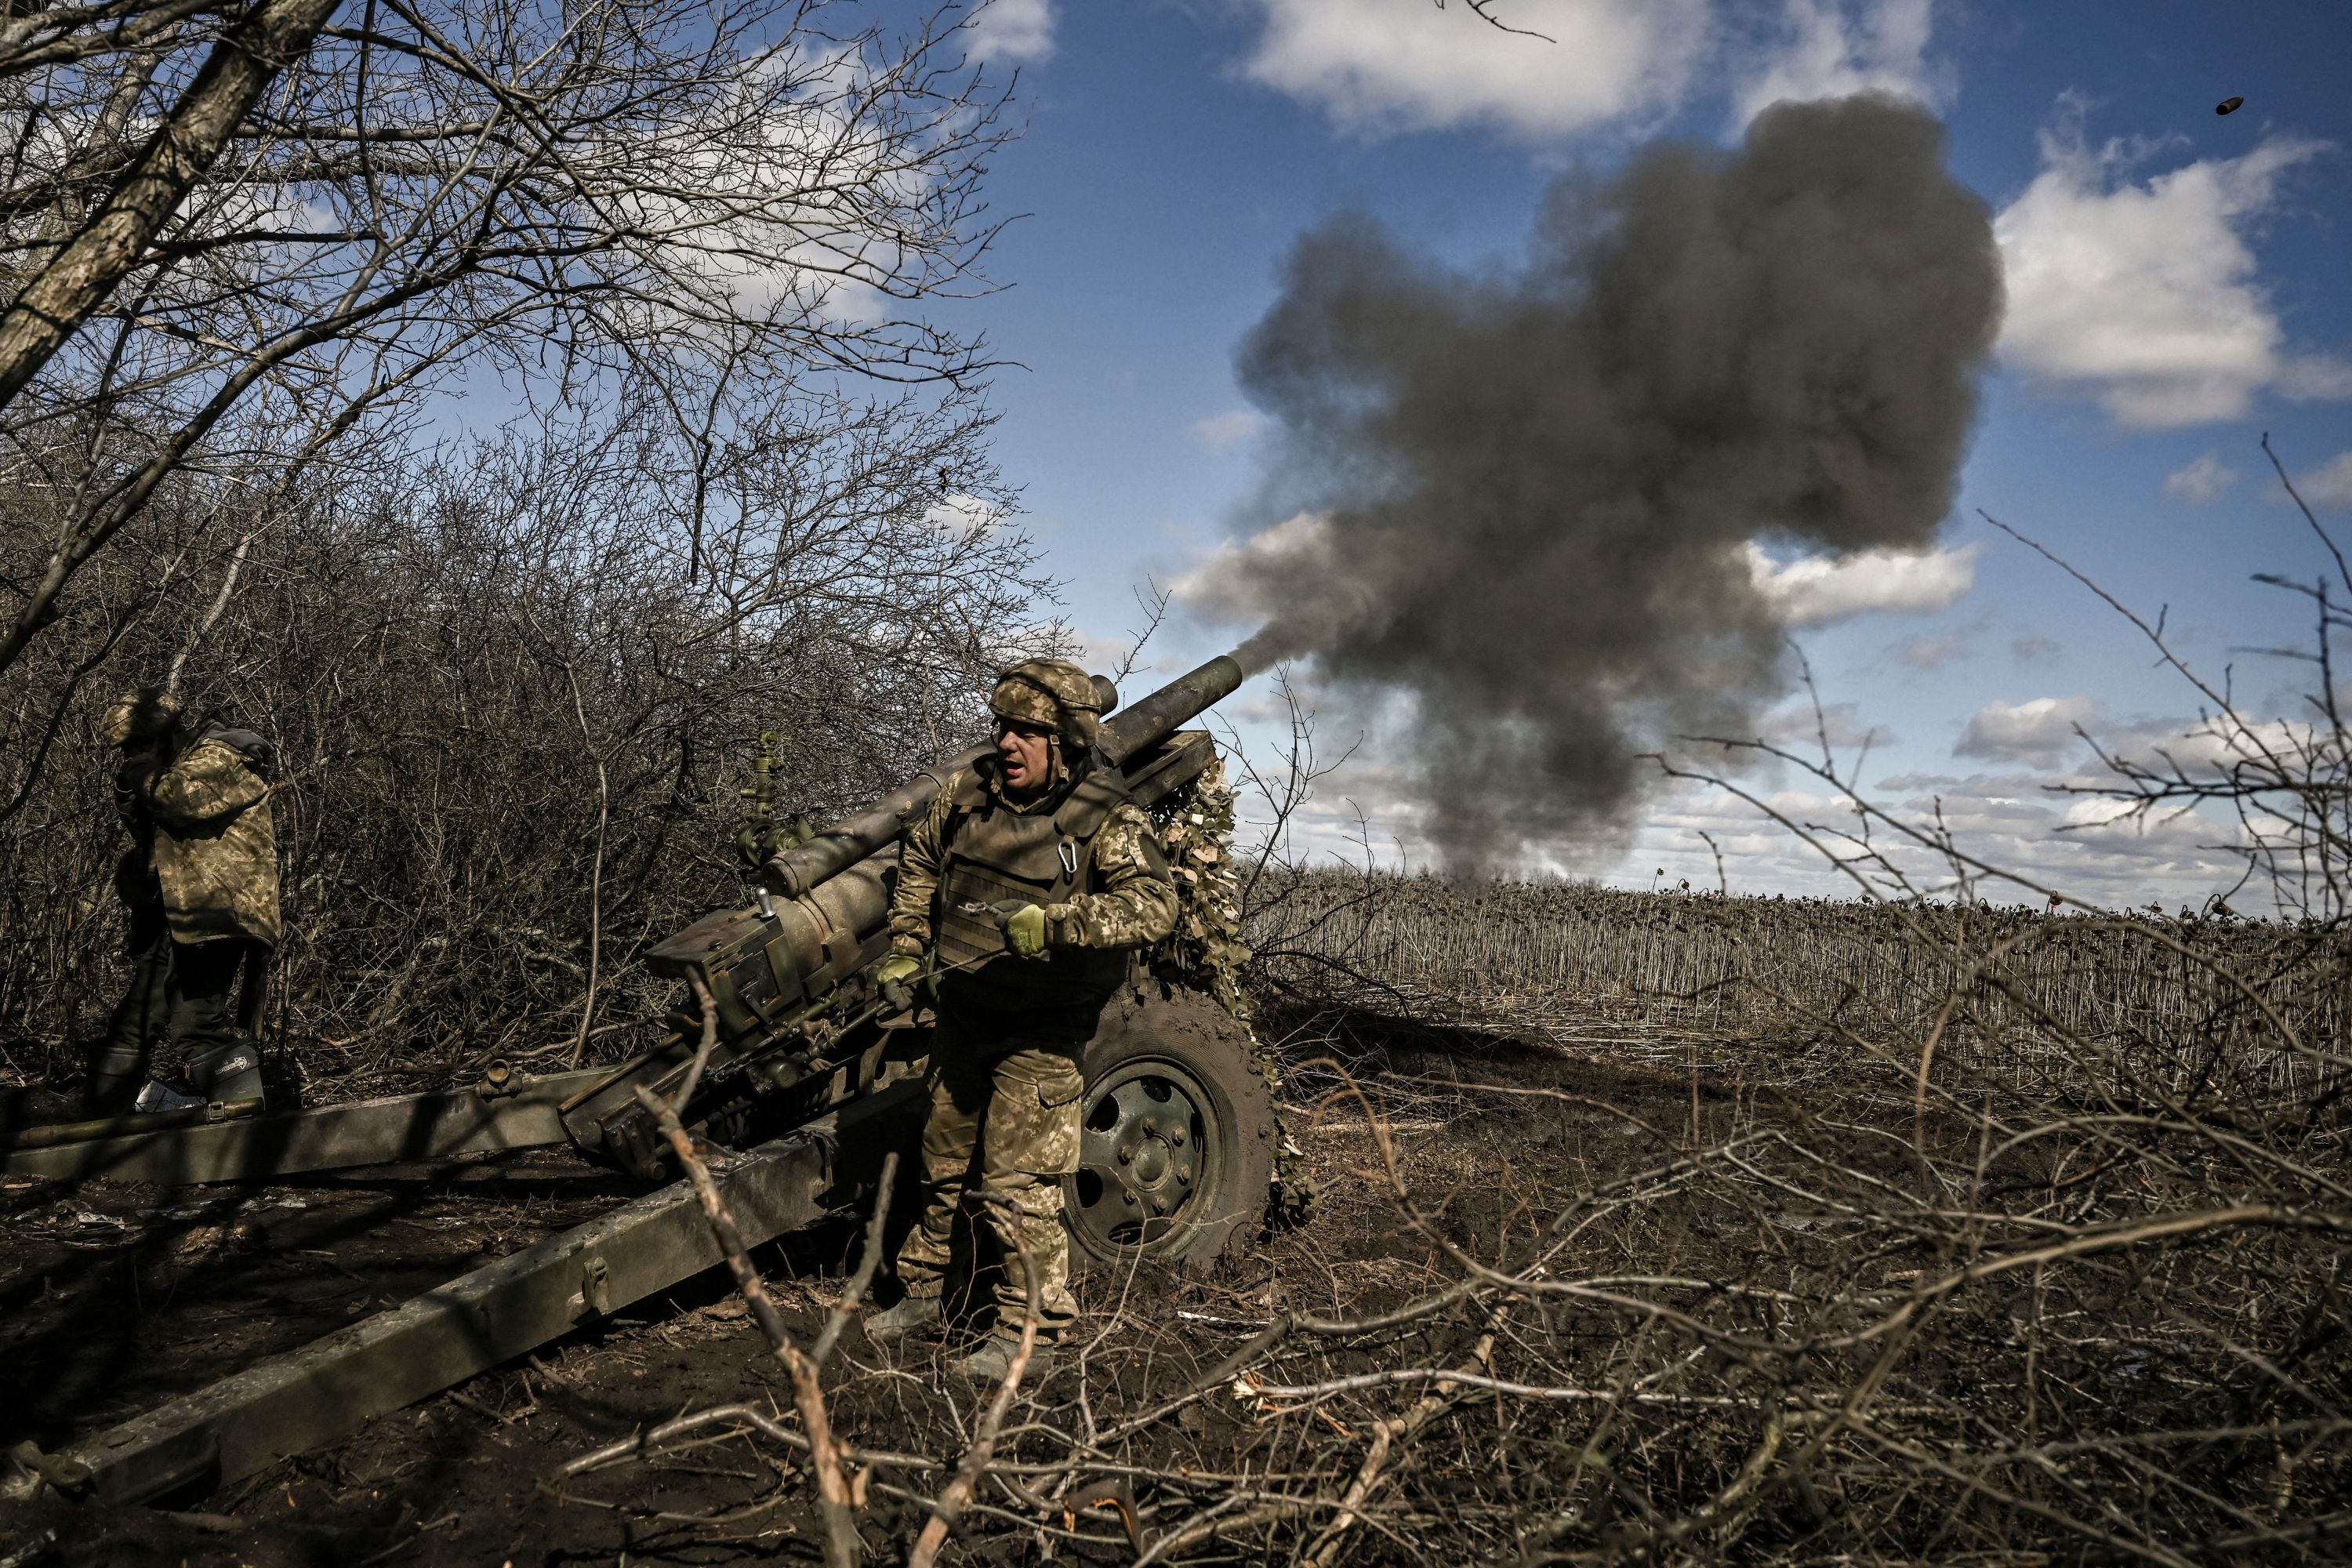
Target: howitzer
(808, 1075)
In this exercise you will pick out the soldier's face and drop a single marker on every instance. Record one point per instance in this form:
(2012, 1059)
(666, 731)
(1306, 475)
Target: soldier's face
(1026, 753)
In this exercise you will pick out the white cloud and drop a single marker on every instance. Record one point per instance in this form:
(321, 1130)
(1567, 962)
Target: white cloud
(1383, 66)
(2088, 845)
(1105, 654)
(2330, 486)
(2208, 749)
(2010, 819)
(2316, 378)
(2098, 811)
(1817, 588)
(1833, 49)
(2142, 293)
(2040, 731)
(963, 516)
(2202, 481)
(1233, 427)
(1012, 31)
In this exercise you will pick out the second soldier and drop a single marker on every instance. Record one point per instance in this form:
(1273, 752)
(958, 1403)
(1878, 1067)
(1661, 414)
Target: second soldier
(199, 884)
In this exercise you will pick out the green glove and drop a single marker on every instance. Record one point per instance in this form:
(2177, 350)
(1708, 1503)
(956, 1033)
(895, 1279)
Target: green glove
(894, 977)
(1024, 931)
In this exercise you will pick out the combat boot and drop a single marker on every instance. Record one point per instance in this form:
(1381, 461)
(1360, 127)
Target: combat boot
(228, 1075)
(994, 1359)
(157, 1096)
(910, 1316)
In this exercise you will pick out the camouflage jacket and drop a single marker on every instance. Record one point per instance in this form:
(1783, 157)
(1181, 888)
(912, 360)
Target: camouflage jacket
(1134, 903)
(210, 839)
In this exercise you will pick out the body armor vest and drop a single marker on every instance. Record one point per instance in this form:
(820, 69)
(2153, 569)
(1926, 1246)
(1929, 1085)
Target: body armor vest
(996, 854)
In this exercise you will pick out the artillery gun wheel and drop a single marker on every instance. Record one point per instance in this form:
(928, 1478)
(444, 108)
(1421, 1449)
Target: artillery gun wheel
(1176, 1138)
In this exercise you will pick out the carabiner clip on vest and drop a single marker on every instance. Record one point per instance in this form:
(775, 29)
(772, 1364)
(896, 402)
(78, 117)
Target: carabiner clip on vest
(1069, 852)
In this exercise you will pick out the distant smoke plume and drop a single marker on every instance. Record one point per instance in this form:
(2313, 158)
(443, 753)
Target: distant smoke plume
(1526, 499)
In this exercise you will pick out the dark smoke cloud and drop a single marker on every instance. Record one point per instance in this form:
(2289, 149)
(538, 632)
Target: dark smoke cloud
(1531, 494)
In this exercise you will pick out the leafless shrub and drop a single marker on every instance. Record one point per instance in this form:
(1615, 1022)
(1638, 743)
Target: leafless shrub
(515, 687)
(244, 251)
(1309, 920)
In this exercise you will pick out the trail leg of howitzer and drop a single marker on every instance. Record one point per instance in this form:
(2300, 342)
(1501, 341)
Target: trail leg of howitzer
(293, 1403)
(435, 1126)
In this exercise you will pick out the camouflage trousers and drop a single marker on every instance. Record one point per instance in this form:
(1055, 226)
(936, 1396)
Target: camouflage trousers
(1003, 1124)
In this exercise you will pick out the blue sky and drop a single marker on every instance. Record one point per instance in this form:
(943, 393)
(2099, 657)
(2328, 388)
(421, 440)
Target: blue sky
(2175, 291)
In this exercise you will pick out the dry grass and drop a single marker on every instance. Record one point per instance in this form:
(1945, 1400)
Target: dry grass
(2169, 996)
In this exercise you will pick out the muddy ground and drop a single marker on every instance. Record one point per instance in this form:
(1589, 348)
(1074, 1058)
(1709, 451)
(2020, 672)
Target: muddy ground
(1778, 1215)
(117, 1297)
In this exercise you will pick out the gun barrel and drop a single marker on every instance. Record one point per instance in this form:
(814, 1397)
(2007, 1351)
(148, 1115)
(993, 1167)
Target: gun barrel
(1157, 716)
(841, 845)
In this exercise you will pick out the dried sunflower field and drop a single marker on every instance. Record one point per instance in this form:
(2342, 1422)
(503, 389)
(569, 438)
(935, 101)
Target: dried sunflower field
(2172, 994)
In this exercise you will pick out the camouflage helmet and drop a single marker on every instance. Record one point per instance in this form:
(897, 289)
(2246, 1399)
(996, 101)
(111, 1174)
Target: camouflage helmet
(139, 715)
(1055, 694)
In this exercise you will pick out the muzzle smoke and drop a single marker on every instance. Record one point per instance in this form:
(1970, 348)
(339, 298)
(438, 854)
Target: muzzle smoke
(1525, 501)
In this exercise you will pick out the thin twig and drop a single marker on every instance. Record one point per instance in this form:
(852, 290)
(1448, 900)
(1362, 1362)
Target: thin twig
(957, 1493)
(836, 1496)
(710, 1007)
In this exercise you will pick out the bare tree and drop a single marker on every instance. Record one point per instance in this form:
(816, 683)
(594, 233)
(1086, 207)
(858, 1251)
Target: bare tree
(532, 195)
(104, 200)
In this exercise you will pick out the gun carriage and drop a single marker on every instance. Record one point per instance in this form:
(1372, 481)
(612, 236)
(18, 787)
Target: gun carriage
(796, 1070)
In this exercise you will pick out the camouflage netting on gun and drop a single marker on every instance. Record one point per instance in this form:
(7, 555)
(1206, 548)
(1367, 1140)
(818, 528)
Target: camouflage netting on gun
(1205, 951)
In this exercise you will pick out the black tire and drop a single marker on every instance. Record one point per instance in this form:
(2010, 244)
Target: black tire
(1171, 1086)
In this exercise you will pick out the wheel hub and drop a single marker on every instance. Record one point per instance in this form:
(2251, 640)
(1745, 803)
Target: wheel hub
(1139, 1156)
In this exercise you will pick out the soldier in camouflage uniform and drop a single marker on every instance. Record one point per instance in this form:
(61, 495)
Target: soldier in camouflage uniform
(1029, 883)
(200, 885)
